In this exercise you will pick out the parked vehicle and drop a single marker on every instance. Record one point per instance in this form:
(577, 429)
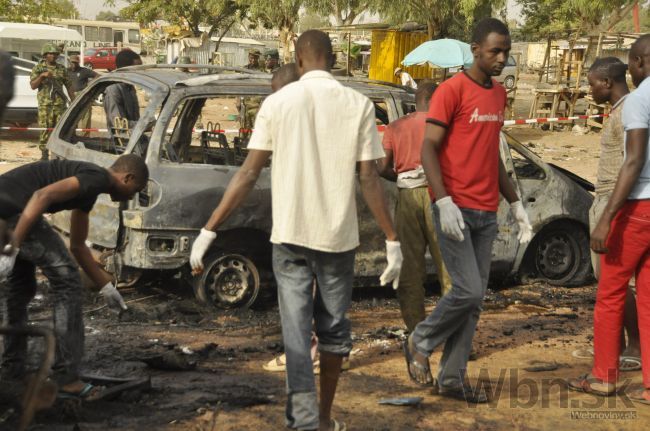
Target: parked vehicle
(23, 108)
(100, 58)
(510, 74)
(191, 136)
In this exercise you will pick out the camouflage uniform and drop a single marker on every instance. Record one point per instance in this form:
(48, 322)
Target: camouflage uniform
(251, 107)
(52, 101)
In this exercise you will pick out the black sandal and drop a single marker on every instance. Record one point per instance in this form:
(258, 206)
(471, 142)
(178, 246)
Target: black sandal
(410, 361)
(464, 393)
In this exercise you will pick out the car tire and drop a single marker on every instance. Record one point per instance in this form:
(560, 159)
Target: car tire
(228, 281)
(559, 254)
(509, 82)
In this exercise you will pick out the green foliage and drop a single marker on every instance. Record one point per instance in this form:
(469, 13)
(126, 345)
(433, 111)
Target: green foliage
(107, 15)
(36, 10)
(345, 12)
(444, 18)
(217, 14)
(311, 20)
(558, 18)
(627, 23)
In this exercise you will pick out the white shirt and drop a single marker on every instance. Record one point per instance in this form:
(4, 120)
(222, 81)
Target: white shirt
(408, 81)
(636, 115)
(317, 130)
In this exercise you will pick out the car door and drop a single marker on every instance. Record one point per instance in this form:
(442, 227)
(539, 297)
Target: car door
(506, 244)
(68, 141)
(188, 174)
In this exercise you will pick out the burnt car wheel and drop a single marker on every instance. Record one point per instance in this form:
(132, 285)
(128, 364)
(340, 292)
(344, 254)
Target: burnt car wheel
(560, 255)
(509, 82)
(228, 281)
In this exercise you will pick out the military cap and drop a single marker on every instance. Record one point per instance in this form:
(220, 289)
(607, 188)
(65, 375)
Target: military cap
(255, 52)
(272, 53)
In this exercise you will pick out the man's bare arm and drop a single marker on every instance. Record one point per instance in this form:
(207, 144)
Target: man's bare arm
(81, 252)
(434, 136)
(373, 194)
(386, 166)
(239, 187)
(506, 187)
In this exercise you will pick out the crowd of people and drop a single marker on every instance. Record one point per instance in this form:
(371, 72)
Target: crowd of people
(446, 162)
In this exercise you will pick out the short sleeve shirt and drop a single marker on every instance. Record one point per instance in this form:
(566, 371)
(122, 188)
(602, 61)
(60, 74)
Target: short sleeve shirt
(469, 157)
(636, 115)
(18, 185)
(317, 130)
(404, 138)
(79, 78)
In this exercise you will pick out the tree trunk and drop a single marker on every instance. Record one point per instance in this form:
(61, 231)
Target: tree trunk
(431, 29)
(286, 33)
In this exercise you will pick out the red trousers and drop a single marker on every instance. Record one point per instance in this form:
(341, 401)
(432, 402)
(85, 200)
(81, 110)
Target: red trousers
(628, 254)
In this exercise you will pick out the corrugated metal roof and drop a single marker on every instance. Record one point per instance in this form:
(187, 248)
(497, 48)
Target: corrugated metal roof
(239, 40)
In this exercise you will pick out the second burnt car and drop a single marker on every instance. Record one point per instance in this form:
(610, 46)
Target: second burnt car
(193, 131)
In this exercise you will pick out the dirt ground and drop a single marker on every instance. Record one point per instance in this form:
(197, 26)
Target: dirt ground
(225, 388)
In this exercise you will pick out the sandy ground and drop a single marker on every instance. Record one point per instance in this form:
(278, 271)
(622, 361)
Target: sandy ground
(227, 389)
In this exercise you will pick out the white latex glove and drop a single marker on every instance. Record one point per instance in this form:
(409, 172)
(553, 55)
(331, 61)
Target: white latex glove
(394, 267)
(7, 262)
(112, 297)
(199, 248)
(451, 219)
(525, 228)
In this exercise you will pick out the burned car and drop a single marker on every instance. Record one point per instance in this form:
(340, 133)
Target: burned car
(193, 131)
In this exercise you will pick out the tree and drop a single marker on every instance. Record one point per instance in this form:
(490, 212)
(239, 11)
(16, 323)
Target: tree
(559, 18)
(280, 14)
(311, 20)
(344, 11)
(36, 10)
(107, 15)
(218, 15)
(442, 17)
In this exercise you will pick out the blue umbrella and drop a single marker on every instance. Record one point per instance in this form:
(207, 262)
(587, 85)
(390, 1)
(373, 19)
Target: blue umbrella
(441, 53)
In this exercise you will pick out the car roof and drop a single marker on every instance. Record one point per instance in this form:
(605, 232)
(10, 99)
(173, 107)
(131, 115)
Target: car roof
(171, 76)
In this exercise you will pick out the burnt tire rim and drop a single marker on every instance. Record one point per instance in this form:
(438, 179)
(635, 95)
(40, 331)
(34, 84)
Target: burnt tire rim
(233, 281)
(557, 256)
(509, 82)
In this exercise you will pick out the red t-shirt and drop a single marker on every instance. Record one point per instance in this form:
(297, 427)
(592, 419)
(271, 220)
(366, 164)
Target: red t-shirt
(404, 138)
(469, 156)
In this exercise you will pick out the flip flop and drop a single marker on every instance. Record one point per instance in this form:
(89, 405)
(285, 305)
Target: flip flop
(464, 393)
(639, 397)
(83, 394)
(629, 363)
(338, 426)
(410, 361)
(583, 384)
(277, 364)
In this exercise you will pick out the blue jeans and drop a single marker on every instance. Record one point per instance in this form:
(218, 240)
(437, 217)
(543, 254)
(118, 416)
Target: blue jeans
(295, 270)
(454, 319)
(45, 249)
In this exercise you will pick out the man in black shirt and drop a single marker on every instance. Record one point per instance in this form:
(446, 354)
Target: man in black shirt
(28, 192)
(79, 78)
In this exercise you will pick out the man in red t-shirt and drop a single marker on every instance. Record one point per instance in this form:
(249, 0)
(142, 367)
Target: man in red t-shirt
(413, 217)
(460, 156)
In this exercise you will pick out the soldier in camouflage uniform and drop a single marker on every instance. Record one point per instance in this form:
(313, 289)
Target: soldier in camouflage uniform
(254, 60)
(272, 63)
(49, 78)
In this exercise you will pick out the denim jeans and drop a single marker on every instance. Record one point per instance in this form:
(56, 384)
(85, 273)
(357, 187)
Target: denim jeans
(44, 248)
(295, 270)
(454, 319)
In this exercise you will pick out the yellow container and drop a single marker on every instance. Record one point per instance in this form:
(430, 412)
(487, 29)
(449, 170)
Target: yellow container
(388, 49)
